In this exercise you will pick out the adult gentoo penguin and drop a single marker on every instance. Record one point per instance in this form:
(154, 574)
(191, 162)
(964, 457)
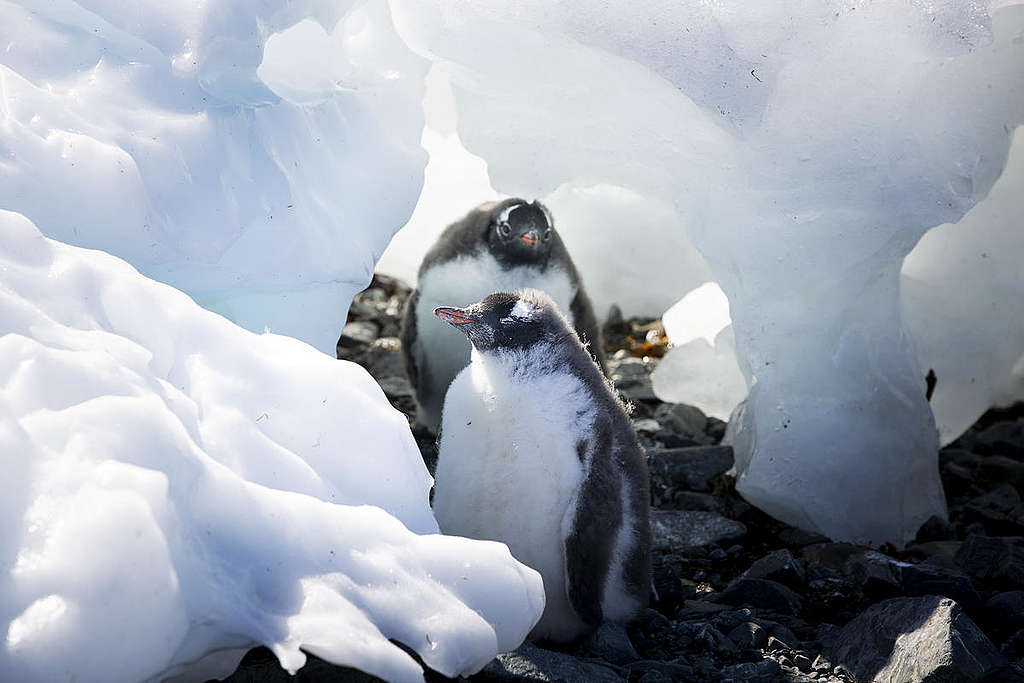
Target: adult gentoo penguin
(499, 246)
(536, 451)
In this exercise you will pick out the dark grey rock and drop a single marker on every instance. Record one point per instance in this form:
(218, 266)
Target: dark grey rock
(715, 429)
(667, 591)
(762, 593)
(1003, 498)
(957, 479)
(831, 555)
(1006, 611)
(749, 635)
(624, 367)
(874, 573)
(794, 537)
(780, 628)
(1014, 645)
(959, 456)
(682, 419)
(666, 438)
(1001, 438)
(999, 512)
(803, 662)
(998, 469)
(995, 562)
(699, 609)
(676, 530)
(653, 621)
(383, 358)
(531, 663)
(906, 640)
(935, 529)
(713, 640)
(381, 303)
(1004, 674)
(611, 643)
(779, 566)
(691, 500)
(688, 468)
(646, 425)
(938, 576)
(727, 621)
(947, 549)
(842, 672)
(358, 333)
(631, 377)
(752, 672)
(775, 644)
(396, 388)
(674, 670)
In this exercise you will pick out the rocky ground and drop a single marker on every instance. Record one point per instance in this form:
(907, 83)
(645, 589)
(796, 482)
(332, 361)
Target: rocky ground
(741, 597)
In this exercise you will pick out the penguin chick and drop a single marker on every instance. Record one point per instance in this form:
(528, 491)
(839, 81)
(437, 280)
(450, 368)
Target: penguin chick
(536, 451)
(499, 246)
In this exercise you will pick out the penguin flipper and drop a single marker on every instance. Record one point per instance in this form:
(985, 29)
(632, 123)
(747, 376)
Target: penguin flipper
(408, 338)
(587, 328)
(591, 525)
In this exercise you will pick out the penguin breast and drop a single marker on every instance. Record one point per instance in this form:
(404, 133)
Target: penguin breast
(508, 469)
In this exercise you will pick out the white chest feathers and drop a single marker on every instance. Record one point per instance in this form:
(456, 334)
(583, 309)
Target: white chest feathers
(508, 470)
(442, 351)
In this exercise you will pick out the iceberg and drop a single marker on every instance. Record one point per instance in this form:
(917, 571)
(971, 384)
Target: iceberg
(175, 485)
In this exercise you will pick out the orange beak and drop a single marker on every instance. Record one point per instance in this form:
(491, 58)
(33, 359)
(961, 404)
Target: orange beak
(454, 316)
(530, 239)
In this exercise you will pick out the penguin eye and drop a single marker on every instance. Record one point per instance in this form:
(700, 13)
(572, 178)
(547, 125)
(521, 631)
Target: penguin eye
(504, 229)
(547, 234)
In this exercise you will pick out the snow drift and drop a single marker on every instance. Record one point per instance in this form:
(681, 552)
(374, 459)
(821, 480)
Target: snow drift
(174, 485)
(257, 156)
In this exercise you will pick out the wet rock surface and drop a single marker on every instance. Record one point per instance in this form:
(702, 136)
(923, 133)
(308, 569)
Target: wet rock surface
(738, 596)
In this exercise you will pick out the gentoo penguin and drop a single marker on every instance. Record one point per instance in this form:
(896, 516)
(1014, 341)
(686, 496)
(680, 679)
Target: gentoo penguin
(536, 451)
(499, 246)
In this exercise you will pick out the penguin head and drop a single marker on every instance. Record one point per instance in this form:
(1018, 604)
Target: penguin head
(507, 321)
(520, 233)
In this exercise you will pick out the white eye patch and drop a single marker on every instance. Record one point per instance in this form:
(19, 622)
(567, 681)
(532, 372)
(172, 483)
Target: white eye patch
(547, 214)
(520, 312)
(523, 310)
(503, 216)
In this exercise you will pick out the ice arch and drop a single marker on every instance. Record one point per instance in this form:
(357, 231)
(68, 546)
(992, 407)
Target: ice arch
(833, 138)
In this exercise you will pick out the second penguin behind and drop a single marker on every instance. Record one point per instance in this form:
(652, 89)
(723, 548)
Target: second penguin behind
(498, 246)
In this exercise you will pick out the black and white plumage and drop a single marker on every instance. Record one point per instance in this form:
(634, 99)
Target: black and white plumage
(499, 246)
(536, 451)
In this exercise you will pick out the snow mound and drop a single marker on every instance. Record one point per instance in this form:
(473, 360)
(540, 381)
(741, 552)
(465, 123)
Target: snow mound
(256, 156)
(805, 147)
(176, 485)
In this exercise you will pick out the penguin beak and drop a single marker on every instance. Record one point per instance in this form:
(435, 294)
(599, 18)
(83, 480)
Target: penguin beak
(530, 238)
(455, 316)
